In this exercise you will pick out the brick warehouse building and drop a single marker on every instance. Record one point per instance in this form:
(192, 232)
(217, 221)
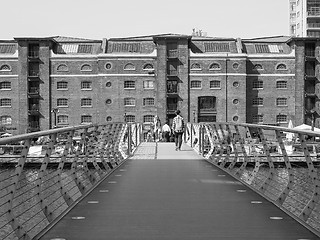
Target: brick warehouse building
(63, 81)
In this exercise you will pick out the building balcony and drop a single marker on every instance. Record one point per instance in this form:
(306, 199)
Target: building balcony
(172, 54)
(33, 55)
(34, 126)
(34, 73)
(34, 92)
(172, 73)
(34, 110)
(171, 107)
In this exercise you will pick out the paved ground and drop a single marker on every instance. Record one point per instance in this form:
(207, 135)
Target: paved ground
(172, 195)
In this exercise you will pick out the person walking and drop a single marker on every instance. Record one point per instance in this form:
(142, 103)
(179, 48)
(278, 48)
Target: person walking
(178, 129)
(166, 132)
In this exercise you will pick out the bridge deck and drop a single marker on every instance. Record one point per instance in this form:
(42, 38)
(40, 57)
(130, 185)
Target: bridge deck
(165, 194)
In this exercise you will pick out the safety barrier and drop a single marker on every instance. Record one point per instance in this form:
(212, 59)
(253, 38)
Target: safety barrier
(281, 164)
(45, 174)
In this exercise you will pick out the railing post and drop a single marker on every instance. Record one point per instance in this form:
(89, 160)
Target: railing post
(16, 226)
(129, 139)
(191, 135)
(200, 139)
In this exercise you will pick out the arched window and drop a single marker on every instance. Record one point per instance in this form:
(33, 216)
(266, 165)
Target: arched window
(281, 66)
(86, 68)
(5, 67)
(129, 66)
(195, 66)
(215, 66)
(62, 68)
(257, 67)
(148, 66)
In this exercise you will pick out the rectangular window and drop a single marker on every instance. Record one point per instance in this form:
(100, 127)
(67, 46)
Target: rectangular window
(129, 84)
(281, 102)
(62, 102)
(195, 84)
(86, 85)
(62, 119)
(130, 118)
(148, 118)
(5, 85)
(257, 101)
(257, 84)
(5, 102)
(148, 84)
(281, 118)
(257, 119)
(129, 102)
(86, 119)
(148, 101)
(5, 120)
(216, 47)
(262, 48)
(86, 102)
(62, 85)
(281, 84)
(215, 84)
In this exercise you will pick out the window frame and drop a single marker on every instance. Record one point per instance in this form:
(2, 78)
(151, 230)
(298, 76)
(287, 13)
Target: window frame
(5, 102)
(257, 84)
(129, 102)
(83, 83)
(83, 118)
(62, 102)
(86, 102)
(128, 84)
(258, 101)
(62, 82)
(198, 84)
(282, 102)
(147, 82)
(149, 100)
(214, 81)
(279, 83)
(63, 117)
(5, 85)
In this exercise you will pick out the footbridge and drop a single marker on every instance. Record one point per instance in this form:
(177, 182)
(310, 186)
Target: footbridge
(229, 181)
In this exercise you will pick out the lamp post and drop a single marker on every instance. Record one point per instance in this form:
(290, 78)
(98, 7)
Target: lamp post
(55, 111)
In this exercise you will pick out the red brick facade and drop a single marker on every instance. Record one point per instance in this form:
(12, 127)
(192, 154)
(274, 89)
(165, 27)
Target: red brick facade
(208, 79)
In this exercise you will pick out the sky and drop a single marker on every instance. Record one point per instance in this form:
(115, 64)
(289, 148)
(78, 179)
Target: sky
(98, 19)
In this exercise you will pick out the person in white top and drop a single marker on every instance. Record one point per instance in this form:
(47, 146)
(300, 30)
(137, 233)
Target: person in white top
(166, 132)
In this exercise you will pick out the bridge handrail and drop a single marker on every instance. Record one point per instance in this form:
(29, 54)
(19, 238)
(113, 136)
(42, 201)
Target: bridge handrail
(50, 171)
(277, 162)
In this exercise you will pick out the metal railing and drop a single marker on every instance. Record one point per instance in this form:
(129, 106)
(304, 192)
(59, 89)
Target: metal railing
(280, 164)
(44, 174)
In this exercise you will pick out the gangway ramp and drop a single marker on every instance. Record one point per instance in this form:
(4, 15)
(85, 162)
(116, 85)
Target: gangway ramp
(160, 193)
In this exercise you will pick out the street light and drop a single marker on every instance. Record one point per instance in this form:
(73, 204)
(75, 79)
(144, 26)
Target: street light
(55, 111)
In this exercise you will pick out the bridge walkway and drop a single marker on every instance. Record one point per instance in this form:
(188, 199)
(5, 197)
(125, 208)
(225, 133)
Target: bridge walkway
(163, 194)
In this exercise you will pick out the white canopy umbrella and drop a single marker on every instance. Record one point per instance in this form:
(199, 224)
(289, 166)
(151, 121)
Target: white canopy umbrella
(306, 127)
(289, 135)
(6, 135)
